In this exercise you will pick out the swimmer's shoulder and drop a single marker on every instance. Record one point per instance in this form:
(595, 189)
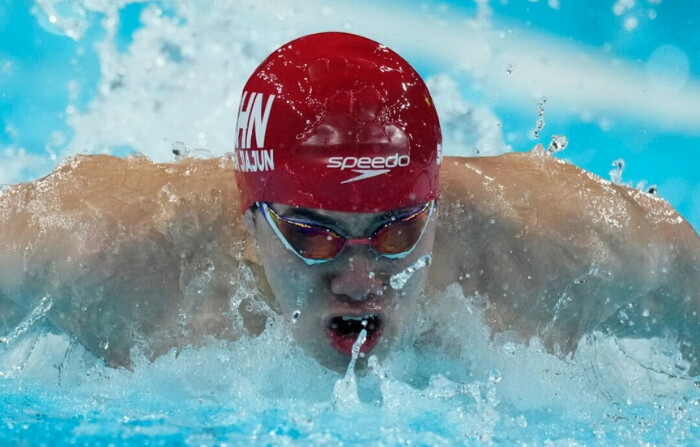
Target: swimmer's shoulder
(537, 189)
(113, 183)
(140, 176)
(89, 200)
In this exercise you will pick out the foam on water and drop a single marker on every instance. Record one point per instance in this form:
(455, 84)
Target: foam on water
(467, 384)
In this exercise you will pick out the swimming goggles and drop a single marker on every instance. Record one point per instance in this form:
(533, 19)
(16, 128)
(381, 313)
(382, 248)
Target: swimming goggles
(315, 243)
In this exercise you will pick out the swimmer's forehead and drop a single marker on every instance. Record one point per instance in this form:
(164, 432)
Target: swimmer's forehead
(352, 222)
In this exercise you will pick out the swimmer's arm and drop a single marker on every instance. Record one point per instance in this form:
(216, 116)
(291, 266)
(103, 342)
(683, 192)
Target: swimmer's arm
(120, 245)
(556, 248)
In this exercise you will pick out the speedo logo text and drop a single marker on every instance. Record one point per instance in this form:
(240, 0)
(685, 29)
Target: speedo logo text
(368, 167)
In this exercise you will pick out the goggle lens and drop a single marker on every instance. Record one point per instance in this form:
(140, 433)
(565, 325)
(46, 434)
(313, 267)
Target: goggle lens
(317, 243)
(309, 241)
(400, 236)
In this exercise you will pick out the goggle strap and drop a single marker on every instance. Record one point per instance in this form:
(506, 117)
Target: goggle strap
(360, 241)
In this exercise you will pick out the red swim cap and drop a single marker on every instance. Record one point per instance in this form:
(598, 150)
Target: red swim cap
(338, 122)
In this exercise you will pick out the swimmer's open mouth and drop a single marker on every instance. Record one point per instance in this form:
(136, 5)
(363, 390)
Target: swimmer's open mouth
(343, 330)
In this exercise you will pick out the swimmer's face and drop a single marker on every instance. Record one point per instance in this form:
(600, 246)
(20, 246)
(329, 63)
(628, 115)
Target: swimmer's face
(327, 304)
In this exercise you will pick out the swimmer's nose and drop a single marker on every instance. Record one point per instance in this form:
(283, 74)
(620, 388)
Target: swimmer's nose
(356, 279)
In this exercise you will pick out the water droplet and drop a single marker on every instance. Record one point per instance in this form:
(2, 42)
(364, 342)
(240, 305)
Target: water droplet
(521, 421)
(179, 148)
(616, 172)
(623, 316)
(631, 23)
(558, 143)
(540, 118)
(399, 280)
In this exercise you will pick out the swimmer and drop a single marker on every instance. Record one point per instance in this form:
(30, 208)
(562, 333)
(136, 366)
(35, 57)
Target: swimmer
(338, 212)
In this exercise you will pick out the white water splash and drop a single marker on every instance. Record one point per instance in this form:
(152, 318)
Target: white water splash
(69, 19)
(345, 390)
(467, 130)
(616, 171)
(539, 125)
(482, 386)
(37, 313)
(398, 280)
(558, 144)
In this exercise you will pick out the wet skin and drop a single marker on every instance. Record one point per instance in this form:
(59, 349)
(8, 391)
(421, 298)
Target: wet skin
(135, 253)
(355, 284)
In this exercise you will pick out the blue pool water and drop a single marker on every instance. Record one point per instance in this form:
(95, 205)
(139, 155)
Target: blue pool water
(620, 80)
(265, 391)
